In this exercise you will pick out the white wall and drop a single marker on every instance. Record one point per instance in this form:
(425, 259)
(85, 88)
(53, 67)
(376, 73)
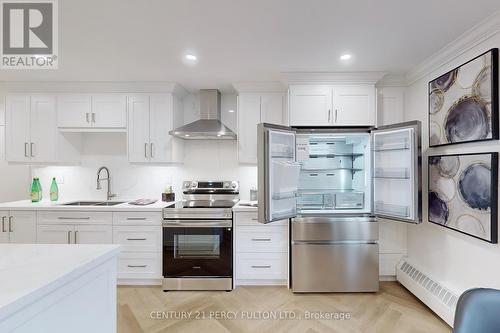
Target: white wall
(455, 259)
(214, 160)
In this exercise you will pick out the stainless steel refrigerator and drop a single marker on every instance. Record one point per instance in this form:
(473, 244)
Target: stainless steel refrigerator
(334, 184)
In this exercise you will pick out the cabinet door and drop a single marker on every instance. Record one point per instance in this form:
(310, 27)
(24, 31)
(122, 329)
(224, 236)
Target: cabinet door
(109, 111)
(272, 109)
(138, 128)
(42, 146)
(354, 106)
(161, 121)
(22, 227)
(93, 234)
(74, 110)
(248, 118)
(18, 128)
(55, 234)
(4, 227)
(311, 106)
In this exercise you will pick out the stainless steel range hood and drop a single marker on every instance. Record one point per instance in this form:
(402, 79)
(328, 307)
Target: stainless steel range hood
(209, 127)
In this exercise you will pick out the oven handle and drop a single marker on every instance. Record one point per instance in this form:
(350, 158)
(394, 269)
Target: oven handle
(197, 223)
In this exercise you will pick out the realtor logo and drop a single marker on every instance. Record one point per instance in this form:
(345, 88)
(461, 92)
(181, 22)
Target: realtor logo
(29, 34)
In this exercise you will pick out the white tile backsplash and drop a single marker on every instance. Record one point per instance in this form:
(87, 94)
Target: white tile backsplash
(213, 160)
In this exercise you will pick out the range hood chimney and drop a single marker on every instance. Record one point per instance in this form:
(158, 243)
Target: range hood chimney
(209, 127)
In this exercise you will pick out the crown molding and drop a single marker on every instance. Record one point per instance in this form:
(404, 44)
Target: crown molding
(468, 40)
(255, 87)
(392, 80)
(92, 87)
(332, 77)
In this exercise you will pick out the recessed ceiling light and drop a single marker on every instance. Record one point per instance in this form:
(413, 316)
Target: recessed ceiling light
(230, 111)
(191, 57)
(186, 135)
(346, 56)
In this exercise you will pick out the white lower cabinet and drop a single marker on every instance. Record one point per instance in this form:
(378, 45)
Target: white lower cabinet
(18, 227)
(140, 237)
(260, 251)
(68, 227)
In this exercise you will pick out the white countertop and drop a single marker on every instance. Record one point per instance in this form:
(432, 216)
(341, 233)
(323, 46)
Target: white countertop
(49, 205)
(240, 208)
(28, 272)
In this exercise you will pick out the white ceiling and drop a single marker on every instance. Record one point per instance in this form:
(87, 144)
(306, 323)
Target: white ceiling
(251, 40)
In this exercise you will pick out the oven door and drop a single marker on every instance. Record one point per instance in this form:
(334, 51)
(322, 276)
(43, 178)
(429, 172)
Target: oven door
(195, 248)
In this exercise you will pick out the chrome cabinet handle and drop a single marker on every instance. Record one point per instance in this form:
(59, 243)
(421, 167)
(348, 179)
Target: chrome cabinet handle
(137, 266)
(72, 218)
(255, 219)
(93, 117)
(136, 219)
(261, 239)
(336, 113)
(32, 148)
(329, 114)
(69, 237)
(11, 223)
(146, 150)
(87, 117)
(151, 150)
(136, 239)
(76, 235)
(3, 223)
(261, 266)
(26, 149)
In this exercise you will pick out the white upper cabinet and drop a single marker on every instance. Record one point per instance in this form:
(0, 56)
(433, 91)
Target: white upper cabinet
(109, 111)
(354, 106)
(313, 105)
(18, 109)
(43, 132)
(150, 118)
(83, 112)
(31, 133)
(310, 105)
(255, 108)
(74, 110)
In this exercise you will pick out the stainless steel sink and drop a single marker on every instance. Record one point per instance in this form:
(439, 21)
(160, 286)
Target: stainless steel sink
(93, 203)
(109, 203)
(81, 203)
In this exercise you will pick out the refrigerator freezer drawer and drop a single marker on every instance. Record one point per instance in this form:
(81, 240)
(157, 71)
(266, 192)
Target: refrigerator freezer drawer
(334, 229)
(335, 268)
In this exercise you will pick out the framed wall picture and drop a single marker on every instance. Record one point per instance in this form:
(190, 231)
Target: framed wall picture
(463, 193)
(463, 103)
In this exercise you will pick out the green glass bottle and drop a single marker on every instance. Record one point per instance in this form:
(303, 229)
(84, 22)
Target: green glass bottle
(40, 192)
(35, 192)
(54, 190)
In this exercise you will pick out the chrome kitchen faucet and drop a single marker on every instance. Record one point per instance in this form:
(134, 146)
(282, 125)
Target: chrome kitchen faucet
(108, 178)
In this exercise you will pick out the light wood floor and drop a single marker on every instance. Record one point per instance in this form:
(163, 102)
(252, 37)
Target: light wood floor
(393, 309)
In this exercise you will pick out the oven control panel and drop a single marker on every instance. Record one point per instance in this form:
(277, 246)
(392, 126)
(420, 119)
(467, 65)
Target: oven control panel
(212, 186)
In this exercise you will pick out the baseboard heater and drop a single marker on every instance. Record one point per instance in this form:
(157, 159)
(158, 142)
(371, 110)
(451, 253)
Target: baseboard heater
(431, 292)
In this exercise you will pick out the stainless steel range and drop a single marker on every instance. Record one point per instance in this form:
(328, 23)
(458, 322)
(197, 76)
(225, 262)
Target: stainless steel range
(198, 237)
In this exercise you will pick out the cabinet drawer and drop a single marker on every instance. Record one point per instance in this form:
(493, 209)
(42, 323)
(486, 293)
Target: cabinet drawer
(71, 217)
(139, 266)
(141, 238)
(137, 218)
(261, 239)
(269, 266)
(250, 218)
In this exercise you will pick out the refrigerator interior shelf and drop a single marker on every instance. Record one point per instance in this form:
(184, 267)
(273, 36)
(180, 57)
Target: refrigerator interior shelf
(392, 173)
(331, 169)
(391, 209)
(282, 214)
(284, 195)
(354, 156)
